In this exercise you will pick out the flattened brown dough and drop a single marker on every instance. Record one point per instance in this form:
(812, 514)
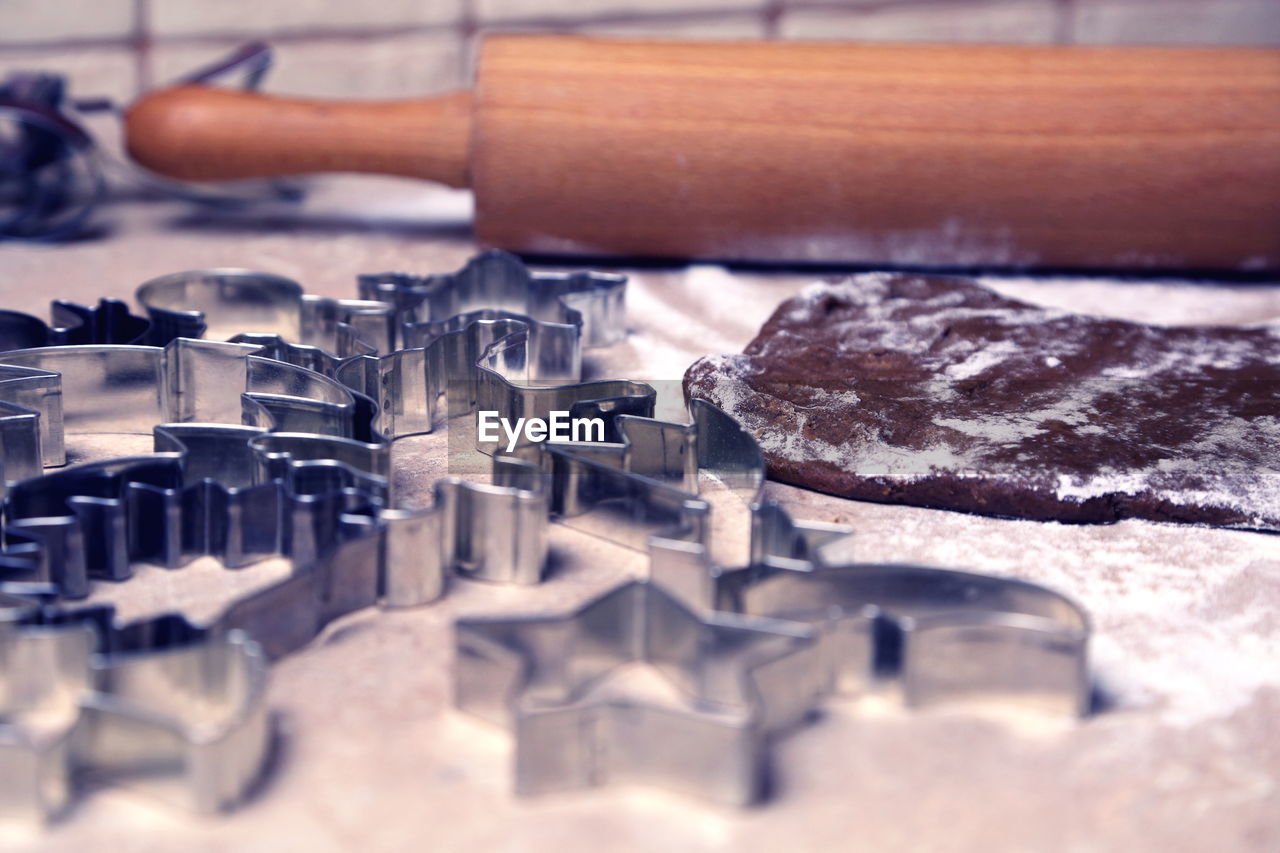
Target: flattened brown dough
(938, 392)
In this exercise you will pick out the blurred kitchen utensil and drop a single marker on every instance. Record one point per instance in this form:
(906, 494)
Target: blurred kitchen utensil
(1142, 158)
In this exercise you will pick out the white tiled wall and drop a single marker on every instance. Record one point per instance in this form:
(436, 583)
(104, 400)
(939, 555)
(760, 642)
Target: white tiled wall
(176, 18)
(393, 66)
(929, 20)
(390, 48)
(91, 71)
(504, 11)
(65, 20)
(1178, 21)
(728, 25)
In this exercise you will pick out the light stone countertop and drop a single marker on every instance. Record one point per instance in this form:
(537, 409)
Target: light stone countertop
(373, 757)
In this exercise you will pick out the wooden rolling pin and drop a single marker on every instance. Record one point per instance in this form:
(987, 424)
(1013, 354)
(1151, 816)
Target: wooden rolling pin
(1028, 156)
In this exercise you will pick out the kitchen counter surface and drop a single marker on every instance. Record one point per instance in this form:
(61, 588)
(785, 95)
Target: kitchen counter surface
(1182, 756)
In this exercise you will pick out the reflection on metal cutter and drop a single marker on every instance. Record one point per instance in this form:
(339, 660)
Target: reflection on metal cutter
(747, 679)
(936, 634)
(184, 722)
(278, 443)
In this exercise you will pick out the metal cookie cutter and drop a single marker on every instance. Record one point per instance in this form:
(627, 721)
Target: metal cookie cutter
(244, 493)
(482, 508)
(936, 634)
(129, 389)
(576, 309)
(96, 520)
(744, 679)
(186, 723)
(222, 304)
(213, 488)
(497, 281)
(939, 635)
(110, 322)
(239, 493)
(644, 484)
(404, 342)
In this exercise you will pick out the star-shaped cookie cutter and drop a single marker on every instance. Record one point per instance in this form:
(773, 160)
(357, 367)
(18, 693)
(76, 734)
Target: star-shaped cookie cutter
(210, 483)
(746, 679)
(240, 492)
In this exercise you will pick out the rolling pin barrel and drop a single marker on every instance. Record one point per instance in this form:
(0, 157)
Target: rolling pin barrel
(1027, 156)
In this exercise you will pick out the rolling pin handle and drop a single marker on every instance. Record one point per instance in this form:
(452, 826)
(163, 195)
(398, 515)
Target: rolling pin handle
(200, 133)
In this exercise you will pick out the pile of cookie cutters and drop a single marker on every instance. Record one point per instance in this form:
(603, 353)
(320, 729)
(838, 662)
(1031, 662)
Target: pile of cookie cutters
(273, 413)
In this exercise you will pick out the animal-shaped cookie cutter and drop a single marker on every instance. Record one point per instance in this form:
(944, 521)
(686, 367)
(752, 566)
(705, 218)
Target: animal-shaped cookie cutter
(326, 487)
(412, 336)
(933, 634)
(305, 478)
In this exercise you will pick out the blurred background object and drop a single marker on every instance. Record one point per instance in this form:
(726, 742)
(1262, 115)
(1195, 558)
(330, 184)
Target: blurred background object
(54, 171)
(410, 48)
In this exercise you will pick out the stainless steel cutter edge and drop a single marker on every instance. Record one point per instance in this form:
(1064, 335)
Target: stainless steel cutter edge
(496, 380)
(964, 635)
(474, 551)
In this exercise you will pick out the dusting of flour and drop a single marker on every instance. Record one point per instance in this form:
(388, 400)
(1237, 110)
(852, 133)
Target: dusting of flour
(1100, 383)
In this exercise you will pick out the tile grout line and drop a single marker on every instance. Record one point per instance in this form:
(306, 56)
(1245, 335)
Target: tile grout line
(772, 14)
(43, 46)
(607, 18)
(1066, 33)
(141, 45)
(468, 28)
(223, 38)
(468, 22)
